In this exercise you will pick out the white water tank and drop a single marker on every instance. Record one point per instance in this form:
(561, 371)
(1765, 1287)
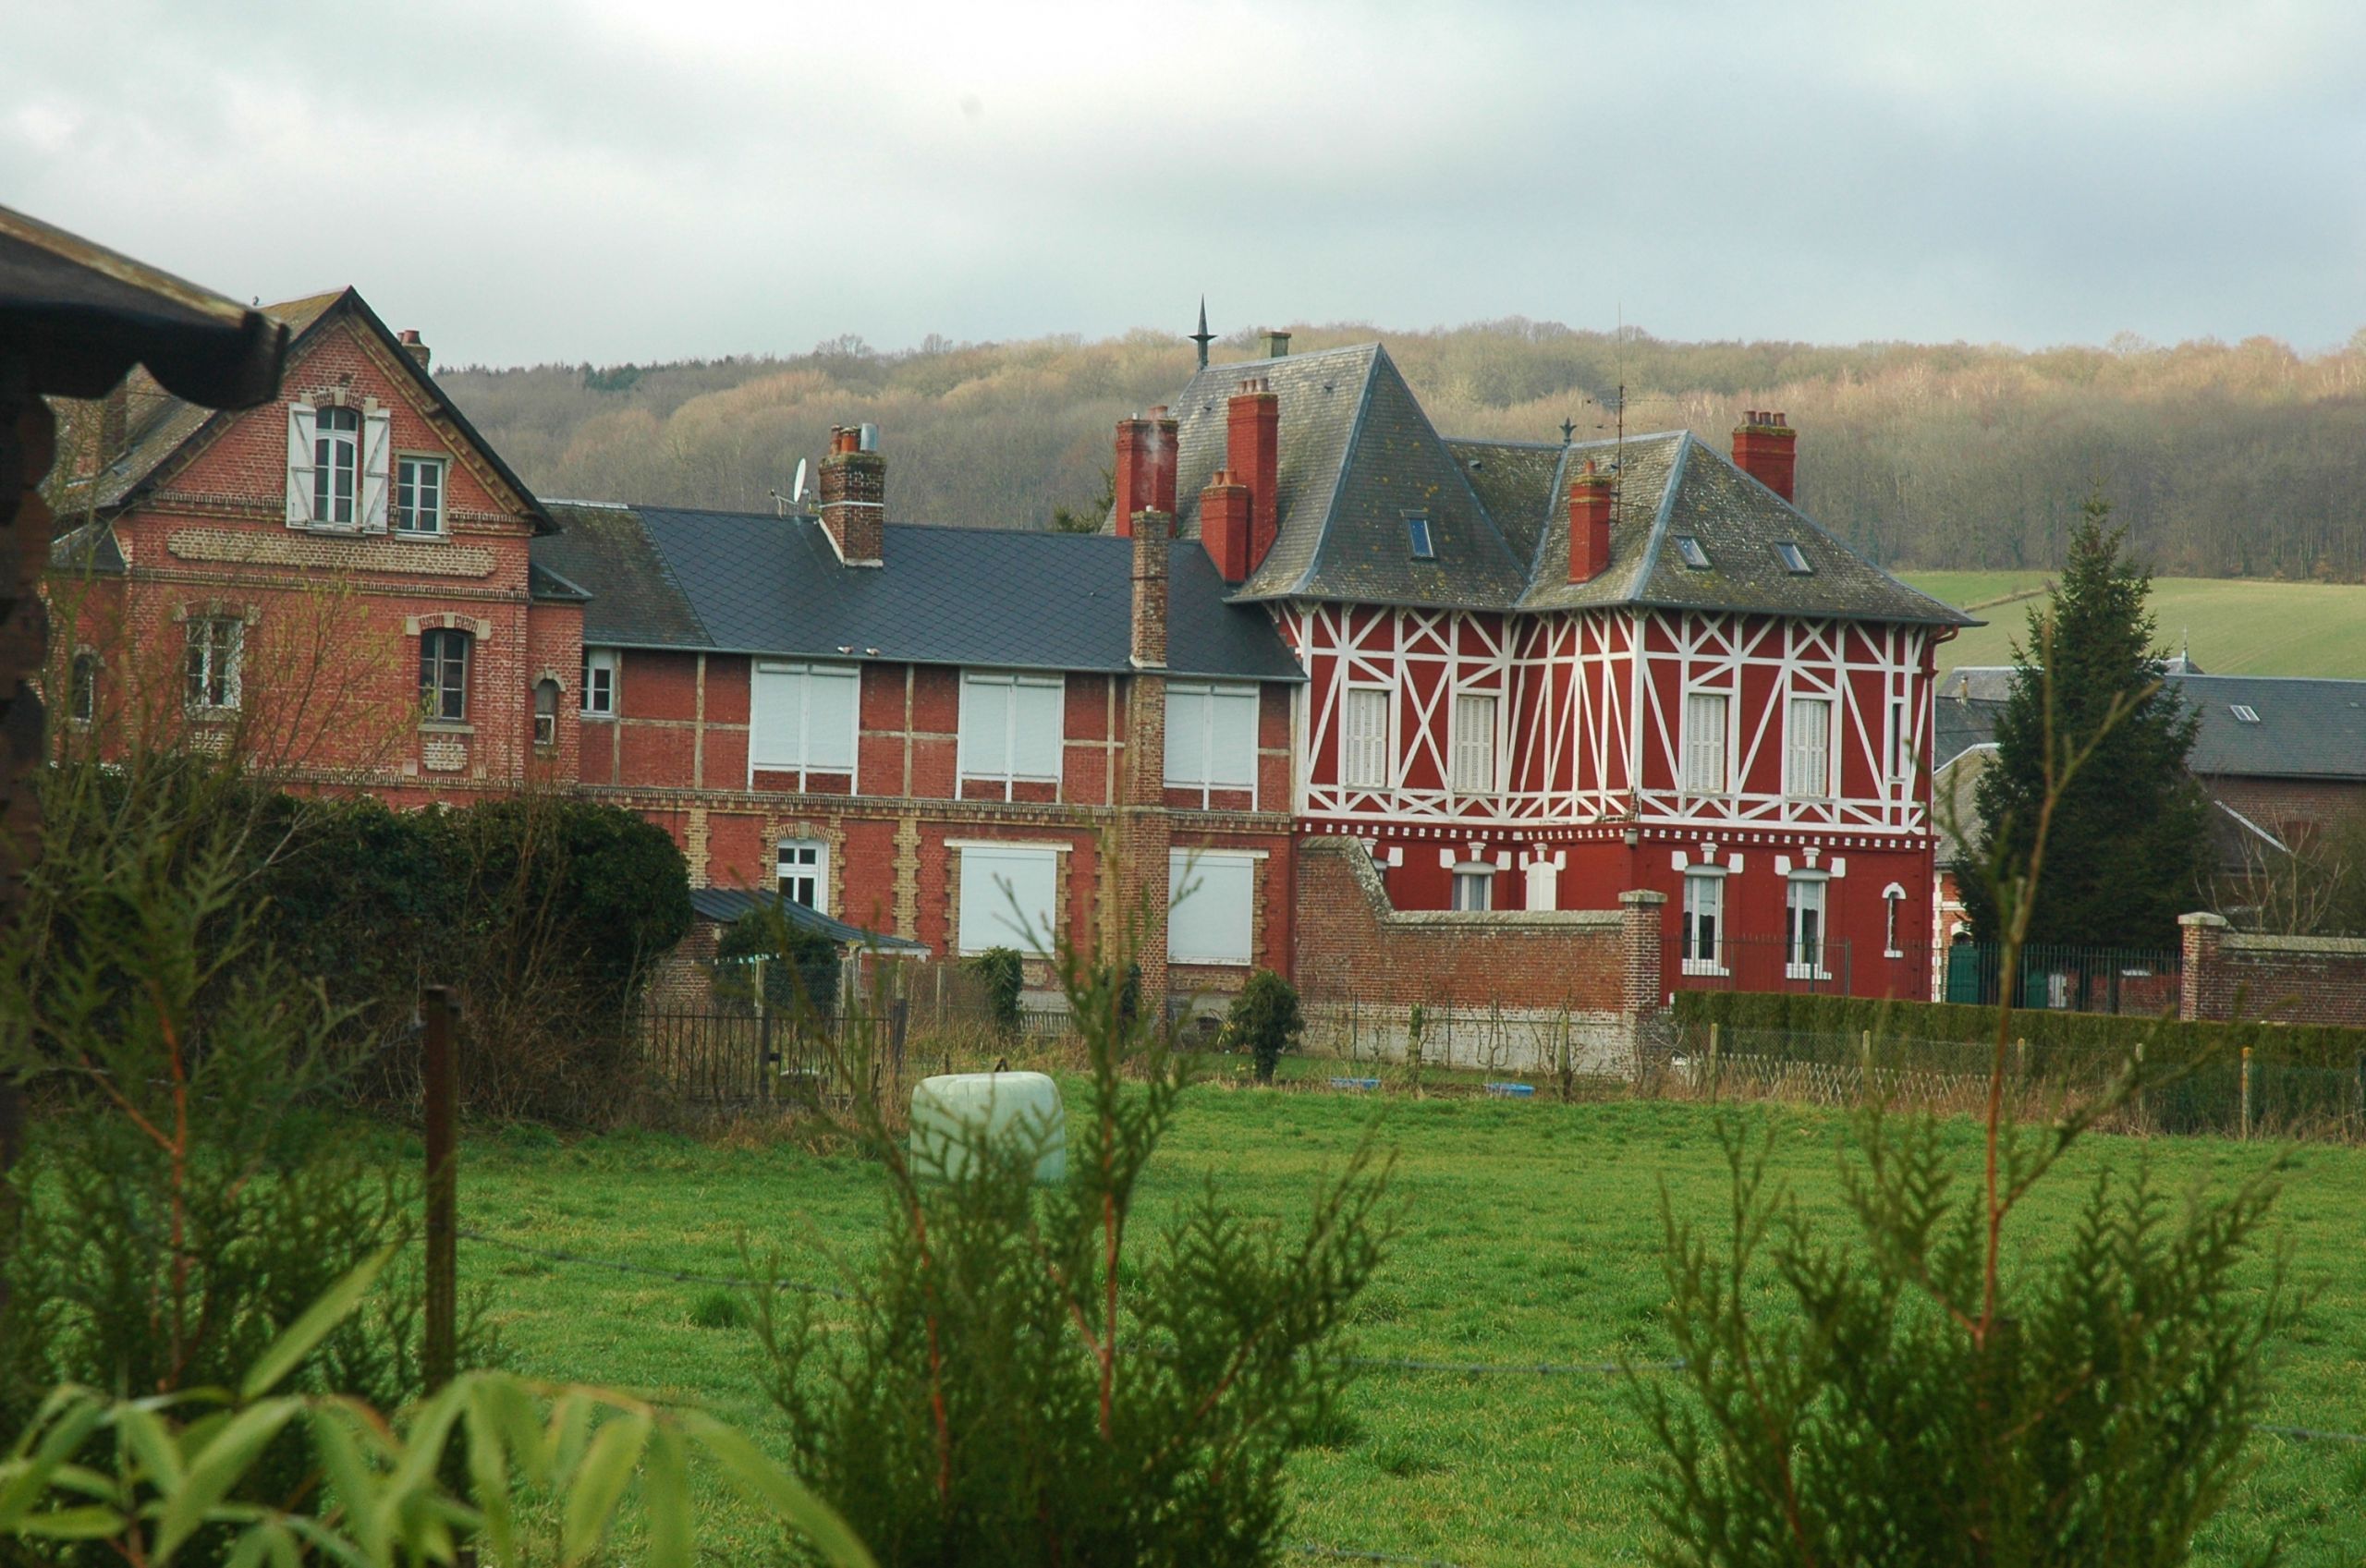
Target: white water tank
(1018, 1107)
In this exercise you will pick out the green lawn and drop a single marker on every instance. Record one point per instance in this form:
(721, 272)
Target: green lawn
(1529, 1234)
(2234, 627)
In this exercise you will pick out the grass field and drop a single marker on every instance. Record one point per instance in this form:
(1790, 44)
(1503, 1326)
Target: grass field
(1529, 1235)
(2235, 625)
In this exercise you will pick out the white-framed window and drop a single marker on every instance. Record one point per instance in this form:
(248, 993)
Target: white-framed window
(1474, 886)
(443, 674)
(546, 713)
(338, 466)
(1902, 741)
(1212, 917)
(1363, 737)
(600, 681)
(1706, 717)
(82, 687)
(1010, 726)
(1804, 930)
(801, 718)
(1704, 923)
(418, 495)
(1210, 736)
(215, 648)
(804, 873)
(1010, 897)
(1474, 742)
(1807, 771)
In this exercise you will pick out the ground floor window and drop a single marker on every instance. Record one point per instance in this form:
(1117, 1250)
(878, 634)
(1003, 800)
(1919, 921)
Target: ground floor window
(1892, 896)
(546, 713)
(805, 873)
(1804, 930)
(1213, 913)
(1009, 897)
(1704, 924)
(1474, 887)
(215, 644)
(82, 687)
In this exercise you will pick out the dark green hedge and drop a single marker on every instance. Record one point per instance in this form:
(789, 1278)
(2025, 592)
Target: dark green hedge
(2165, 1040)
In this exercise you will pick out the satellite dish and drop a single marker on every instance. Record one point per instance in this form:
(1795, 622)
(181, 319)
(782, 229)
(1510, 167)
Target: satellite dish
(797, 486)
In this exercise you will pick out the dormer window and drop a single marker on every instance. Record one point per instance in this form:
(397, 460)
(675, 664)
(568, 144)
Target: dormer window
(1417, 530)
(1794, 560)
(1690, 548)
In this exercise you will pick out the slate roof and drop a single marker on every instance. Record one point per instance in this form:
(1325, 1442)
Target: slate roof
(1959, 723)
(2307, 729)
(725, 904)
(89, 547)
(158, 425)
(762, 584)
(1358, 453)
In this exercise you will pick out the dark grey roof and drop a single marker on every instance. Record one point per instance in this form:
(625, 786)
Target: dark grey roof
(544, 584)
(92, 547)
(1961, 722)
(759, 583)
(727, 904)
(2306, 729)
(1358, 453)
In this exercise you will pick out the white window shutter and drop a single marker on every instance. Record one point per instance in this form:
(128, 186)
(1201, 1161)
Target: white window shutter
(301, 420)
(377, 461)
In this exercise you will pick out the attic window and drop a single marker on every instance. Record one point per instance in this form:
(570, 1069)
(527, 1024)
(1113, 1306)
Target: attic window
(1793, 560)
(1417, 530)
(1690, 548)
(2244, 712)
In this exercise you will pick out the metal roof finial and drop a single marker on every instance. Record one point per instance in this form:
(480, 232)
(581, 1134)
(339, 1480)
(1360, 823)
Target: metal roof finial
(1203, 337)
(1568, 432)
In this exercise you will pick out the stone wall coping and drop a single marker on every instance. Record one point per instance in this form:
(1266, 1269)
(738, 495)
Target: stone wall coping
(1642, 895)
(2202, 917)
(2325, 946)
(1506, 920)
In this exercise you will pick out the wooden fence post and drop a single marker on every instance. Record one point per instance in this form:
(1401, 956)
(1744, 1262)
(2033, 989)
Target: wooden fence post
(2247, 1091)
(1865, 1061)
(443, 1189)
(2143, 1115)
(1712, 1062)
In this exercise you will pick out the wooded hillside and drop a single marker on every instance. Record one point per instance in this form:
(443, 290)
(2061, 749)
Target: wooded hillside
(2225, 459)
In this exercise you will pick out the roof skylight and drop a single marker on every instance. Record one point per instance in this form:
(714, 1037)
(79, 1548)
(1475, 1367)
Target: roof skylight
(1793, 559)
(1417, 529)
(2244, 712)
(1690, 548)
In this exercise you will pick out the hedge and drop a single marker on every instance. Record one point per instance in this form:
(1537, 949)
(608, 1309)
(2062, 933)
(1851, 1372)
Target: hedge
(2166, 1039)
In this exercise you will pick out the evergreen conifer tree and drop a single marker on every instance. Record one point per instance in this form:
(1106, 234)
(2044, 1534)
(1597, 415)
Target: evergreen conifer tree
(2130, 845)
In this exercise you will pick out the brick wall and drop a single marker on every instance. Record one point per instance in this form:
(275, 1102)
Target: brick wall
(2292, 980)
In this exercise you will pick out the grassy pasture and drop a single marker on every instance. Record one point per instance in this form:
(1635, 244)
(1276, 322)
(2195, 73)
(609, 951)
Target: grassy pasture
(1528, 1233)
(2235, 625)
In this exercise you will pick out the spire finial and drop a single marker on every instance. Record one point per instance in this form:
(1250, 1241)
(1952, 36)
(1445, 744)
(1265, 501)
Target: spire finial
(1568, 432)
(1203, 337)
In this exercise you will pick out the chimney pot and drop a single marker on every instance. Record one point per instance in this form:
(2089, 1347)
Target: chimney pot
(408, 337)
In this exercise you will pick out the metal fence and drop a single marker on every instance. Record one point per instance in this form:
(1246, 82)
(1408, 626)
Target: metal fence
(2065, 979)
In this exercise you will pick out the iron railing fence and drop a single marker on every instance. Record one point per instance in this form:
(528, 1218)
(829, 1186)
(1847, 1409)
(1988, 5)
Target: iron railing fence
(2055, 978)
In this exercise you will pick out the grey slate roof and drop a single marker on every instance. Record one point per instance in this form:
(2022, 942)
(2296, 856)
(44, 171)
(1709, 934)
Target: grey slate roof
(2307, 729)
(724, 905)
(89, 547)
(1358, 453)
(761, 584)
(1961, 722)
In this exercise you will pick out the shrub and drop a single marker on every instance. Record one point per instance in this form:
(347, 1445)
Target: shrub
(1003, 976)
(1023, 1382)
(1265, 1021)
(801, 965)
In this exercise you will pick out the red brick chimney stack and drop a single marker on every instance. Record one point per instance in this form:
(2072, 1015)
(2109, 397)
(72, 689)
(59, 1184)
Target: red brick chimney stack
(1589, 506)
(1154, 534)
(409, 338)
(854, 497)
(1253, 455)
(1224, 524)
(1144, 474)
(1767, 450)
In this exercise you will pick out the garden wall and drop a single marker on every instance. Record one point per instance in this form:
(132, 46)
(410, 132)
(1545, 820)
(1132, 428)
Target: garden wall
(2285, 980)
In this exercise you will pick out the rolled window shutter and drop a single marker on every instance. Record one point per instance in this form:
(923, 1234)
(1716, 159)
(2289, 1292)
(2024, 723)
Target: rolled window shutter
(300, 420)
(377, 446)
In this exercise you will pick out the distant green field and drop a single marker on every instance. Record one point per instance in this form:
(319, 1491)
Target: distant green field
(1528, 1233)
(2234, 627)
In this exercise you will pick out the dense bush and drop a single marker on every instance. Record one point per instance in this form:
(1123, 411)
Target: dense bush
(801, 965)
(1003, 975)
(1264, 1021)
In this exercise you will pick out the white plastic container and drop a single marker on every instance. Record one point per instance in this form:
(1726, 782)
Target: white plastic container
(1019, 1107)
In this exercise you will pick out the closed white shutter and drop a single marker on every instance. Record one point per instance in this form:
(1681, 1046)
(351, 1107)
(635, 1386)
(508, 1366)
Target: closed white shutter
(830, 701)
(300, 420)
(1010, 898)
(1811, 748)
(1475, 744)
(377, 464)
(1187, 735)
(985, 727)
(1363, 751)
(1232, 737)
(1705, 743)
(1035, 723)
(776, 720)
(1213, 913)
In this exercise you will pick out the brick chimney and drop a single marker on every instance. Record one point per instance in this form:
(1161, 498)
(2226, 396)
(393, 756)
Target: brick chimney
(1253, 455)
(1143, 477)
(1589, 499)
(1277, 344)
(854, 496)
(1224, 525)
(1153, 533)
(409, 338)
(1767, 450)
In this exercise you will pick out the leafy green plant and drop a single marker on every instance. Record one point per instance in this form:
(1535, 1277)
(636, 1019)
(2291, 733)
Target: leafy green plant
(1264, 1020)
(1004, 977)
(1021, 1380)
(801, 965)
(164, 1479)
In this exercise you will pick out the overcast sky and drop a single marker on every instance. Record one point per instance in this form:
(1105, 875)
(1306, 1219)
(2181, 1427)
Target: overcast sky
(636, 179)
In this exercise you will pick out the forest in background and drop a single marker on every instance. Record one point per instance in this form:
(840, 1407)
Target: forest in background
(2243, 459)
